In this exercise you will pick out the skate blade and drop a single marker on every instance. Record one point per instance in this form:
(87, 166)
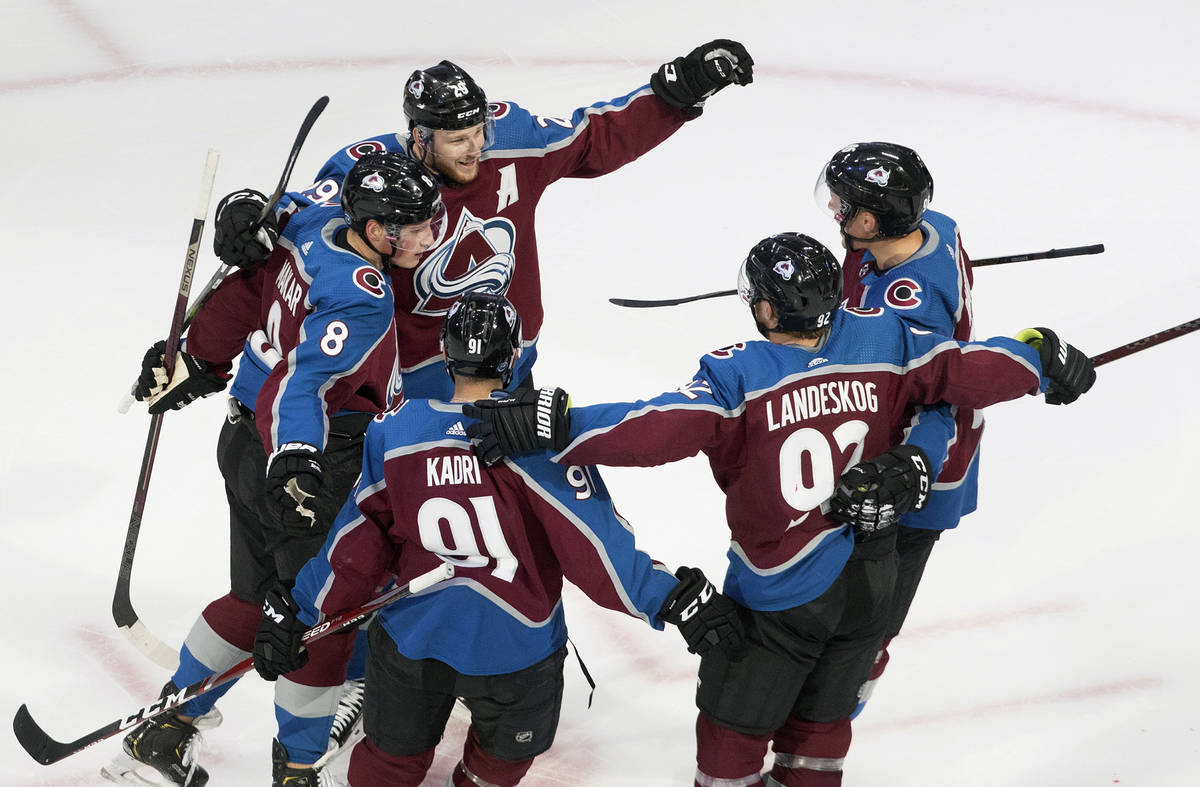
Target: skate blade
(123, 770)
(335, 751)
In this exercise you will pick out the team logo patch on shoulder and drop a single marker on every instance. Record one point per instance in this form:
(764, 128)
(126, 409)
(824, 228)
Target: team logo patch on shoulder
(370, 281)
(903, 294)
(863, 311)
(361, 149)
(727, 352)
(498, 109)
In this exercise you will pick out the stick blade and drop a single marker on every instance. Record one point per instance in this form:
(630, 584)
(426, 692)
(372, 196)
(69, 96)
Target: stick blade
(150, 646)
(34, 740)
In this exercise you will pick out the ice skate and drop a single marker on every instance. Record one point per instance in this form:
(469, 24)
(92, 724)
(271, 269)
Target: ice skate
(166, 744)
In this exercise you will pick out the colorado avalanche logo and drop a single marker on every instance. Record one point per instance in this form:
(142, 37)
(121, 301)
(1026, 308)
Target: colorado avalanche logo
(373, 181)
(878, 175)
(436, 283)
(785, 269)
(367, 279)
(360, 149)
(416, 88)
(903, 294)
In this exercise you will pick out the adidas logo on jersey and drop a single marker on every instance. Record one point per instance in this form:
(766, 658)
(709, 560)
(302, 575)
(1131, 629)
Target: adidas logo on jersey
(457, 430)
(305, 247)
(817, 362)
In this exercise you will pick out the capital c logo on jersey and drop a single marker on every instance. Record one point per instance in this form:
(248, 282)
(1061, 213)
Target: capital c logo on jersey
(903, 294)
(452, 268)
(361, 149)
(369, 280)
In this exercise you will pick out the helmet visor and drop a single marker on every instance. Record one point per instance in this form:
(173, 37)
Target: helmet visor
(830, 203)
(460, 140)
(419, 237)
(746, 289)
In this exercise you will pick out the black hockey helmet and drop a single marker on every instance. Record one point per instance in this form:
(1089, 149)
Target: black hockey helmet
(795, 274)
(444, 97)
(480, 334)
(391, 188)
(889, 180)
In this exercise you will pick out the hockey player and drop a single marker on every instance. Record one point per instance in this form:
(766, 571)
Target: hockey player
(319, 364)
(780, 422)
(902, 257)
(495, 635)
(497, 159)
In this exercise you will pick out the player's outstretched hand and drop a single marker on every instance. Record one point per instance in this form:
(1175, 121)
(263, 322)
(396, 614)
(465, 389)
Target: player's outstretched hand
(705, 617)
(295, 473)
(235, 241)
(279, 644)
(522, 422)
(1071, 373)
(190, 381)
(686, 82)
(873, 494)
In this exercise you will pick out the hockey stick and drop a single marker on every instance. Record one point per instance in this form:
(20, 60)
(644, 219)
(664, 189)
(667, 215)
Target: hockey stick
(122, 608)
(1074, 251)
(305, 126)
(47, 750)
(127, 620)
(1145, 342)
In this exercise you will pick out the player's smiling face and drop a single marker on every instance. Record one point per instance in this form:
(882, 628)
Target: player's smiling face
(456, 153)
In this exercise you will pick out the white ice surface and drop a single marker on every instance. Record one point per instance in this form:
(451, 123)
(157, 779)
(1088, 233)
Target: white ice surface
(1053, 641)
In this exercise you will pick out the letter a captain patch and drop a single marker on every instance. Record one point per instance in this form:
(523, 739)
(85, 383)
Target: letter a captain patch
(507, 193)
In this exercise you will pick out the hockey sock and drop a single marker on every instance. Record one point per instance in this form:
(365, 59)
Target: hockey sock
(372, 767)
(810, 753)
(722, 753)
(478, 767)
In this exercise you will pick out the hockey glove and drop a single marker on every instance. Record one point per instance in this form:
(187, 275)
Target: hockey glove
(190, 381)
(872, 495)
(526, 420)
(235, 240)
(686, 82)
(295, 474)
(705, 617)
(279, 644)
(1071, 373)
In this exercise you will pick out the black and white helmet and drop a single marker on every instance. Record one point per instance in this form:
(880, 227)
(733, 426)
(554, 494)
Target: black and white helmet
(889, 180)
(797, 275)
(480, 335)
(390, 188)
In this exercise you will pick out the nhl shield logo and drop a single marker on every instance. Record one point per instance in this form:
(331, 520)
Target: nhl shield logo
(785, 269)
(879, 175)
(374, 182)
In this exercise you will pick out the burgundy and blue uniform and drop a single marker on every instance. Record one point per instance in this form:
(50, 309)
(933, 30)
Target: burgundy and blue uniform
(490, 241)
(930, 290)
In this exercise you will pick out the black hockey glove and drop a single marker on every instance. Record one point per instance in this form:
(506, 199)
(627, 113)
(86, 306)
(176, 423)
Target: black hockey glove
(686, 82)
(295, 474)
(526, 420)
(278, 645)
(1071, 373)
(190, 381)
(872, 495)
(233, 239)
(705, 617)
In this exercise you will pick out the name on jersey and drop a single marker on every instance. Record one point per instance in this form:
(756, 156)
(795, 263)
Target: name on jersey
(454, 469)
(289, 288)
(831, 398)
